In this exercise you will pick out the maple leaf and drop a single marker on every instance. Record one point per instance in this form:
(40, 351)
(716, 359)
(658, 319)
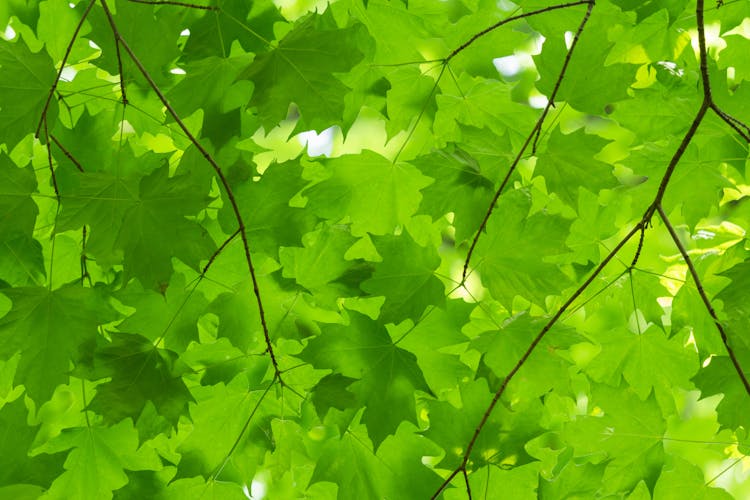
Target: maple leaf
(48, 328)
(25, 80)
(389, 399)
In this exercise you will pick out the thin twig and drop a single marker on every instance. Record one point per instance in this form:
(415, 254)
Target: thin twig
(561, 76)
(534, 134)
(733, 122)
(507, 20)
(219, 250)
(178, 4)
(66, 152)
(68, 50)
(219, 174)
(50, 163)
(704, 297)
(529, 350)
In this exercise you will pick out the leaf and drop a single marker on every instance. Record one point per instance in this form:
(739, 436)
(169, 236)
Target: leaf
(502, 259)
(405, 278)
(374, 193)
(452, 427)
(98, 458)
(459, 187)
(218, 415)
(139, 373)
(17, 438)
(647, 360)
(681, 479)
(20, 253)
(155, 229)
(269, 219)
(47, 327)
(568, 163)
(628, 433)
(387, 375)
(25, 81)
(301, 69)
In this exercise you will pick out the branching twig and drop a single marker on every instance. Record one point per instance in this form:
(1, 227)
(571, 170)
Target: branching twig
(68, 50)
(178, 4)
(530, 350)
(704, 297)
(66, 152)
(507, 20)
(534, 134)
(219, 173)
(219, 250)
(639, 227)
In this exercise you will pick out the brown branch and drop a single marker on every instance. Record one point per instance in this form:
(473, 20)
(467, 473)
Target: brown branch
(529, 350)
(68, 50)
(178, 4)
(219, 174)
(507, 20)
(533, 134)
(66, 152)
(558, 83)
(702, 51)
(733, 122)
(49, 162)
(675, 159)
(704, 297)
(219, 250)
(641, 226)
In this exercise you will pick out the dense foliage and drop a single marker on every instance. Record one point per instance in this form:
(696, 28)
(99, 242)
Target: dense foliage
(520, 271)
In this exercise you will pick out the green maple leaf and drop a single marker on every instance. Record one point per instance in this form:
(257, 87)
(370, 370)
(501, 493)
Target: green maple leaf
(646, 360)
(49, 328)
(545, 369)
(25, 80)
(405, 278)
(219, 98)
(374, 193)
(321, 260)
(459, 186)
(720, 377)
(502, 256)
(395, 471)
(20, 254)
(97, 461)
(586, 90)
(682, 479)
(387, 375)
(270, 220)
(139, 373)
(154, 229)
(301, 69)
(151, 34)
(218, 415)
(250, 24)
(17, 438)
(567, 164)
(629, 434)
(504, 435)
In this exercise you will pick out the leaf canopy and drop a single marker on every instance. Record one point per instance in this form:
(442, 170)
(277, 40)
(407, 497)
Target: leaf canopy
(367, 249)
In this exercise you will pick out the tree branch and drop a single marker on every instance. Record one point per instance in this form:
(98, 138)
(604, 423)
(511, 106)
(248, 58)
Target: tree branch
(529, 350)
(533, 134)
(219, 174)
(507, 20)
(68, 50)
(703, 295)
(178, 4)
